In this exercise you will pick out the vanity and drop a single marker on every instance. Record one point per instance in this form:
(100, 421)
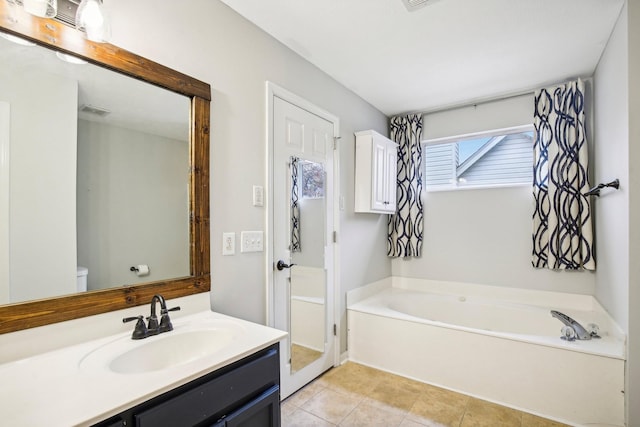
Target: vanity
(211, 369)
(244, 392)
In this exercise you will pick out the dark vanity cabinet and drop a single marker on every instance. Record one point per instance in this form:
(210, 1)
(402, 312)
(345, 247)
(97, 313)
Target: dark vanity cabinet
(245, 393)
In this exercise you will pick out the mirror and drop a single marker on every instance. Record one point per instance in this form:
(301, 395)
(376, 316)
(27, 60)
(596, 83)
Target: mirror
(91, 170)
(128, 143)
(307, 276)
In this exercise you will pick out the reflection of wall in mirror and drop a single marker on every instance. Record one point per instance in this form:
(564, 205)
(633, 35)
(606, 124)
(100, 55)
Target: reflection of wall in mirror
(312, 227)
(308, 282)
(42, 235)
(126, 179)
(5, 135)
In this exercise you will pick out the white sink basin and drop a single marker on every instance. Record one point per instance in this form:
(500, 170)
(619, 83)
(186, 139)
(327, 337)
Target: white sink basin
(170, 349)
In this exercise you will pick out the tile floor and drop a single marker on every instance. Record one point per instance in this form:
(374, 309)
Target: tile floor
(302, 356)
(356, 395)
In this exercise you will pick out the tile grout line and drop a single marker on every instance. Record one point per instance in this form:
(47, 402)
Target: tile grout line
(350, 412)
(464, 411)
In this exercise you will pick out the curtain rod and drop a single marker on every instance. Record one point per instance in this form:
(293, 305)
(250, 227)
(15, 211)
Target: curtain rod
(480, 101)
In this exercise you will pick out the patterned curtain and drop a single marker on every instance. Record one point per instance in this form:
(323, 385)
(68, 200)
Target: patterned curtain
(562, 230)
(405, 227)
(295, 206)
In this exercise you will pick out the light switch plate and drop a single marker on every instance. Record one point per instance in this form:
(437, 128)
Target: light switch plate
(251, 241)
(258, 195)
(228, 243)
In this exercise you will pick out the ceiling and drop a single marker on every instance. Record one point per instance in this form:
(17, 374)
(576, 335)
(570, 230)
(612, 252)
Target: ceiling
(448, 53)
(132, 104)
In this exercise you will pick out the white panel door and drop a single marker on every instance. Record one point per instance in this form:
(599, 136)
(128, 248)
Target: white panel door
(303, 206)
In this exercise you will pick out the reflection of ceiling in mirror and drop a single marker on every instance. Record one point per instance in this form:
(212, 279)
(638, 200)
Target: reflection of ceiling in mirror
(132, 104)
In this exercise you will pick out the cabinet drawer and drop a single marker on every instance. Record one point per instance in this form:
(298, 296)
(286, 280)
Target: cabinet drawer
(216, 397)
(263, 411)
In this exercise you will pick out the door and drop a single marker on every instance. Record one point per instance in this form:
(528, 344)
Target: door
(302, 252)
(384, 175)
(380, 197)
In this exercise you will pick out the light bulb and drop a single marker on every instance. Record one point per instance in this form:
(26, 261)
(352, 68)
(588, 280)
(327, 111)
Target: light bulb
(17, 40)
(41, 8)
(91, 18)
(70, 59)
(91, 15)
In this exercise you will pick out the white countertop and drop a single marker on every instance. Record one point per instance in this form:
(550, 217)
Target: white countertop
(58, 389)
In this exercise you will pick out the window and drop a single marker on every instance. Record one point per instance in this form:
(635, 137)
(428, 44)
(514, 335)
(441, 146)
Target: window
(492, 159)
(312, 180)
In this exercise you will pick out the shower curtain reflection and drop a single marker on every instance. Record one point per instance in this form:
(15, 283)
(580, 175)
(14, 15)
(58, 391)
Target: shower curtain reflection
(308, 279)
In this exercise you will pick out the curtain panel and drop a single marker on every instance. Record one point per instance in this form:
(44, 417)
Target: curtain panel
(562, 226)
(295, 206)
(406, 225)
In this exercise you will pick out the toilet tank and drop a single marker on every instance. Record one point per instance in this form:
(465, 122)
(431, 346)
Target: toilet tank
(82, 279)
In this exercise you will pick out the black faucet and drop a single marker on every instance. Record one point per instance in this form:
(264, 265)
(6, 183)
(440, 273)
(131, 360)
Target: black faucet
(140, 331)
(165, 322)
(154, 327)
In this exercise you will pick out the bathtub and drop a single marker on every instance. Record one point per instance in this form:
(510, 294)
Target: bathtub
(494, 343)
(307, 307)
(307, 325)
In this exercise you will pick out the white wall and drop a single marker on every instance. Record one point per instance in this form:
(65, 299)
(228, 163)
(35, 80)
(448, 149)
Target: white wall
(209, 41)
(5, 141)
(133, 205)
(42, 211)
(498, 114)
(633, 364)
(484, 236)
(611, 111)
(618, 137)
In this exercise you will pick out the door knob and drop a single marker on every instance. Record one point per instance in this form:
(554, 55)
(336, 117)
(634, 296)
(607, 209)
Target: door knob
(281, 265)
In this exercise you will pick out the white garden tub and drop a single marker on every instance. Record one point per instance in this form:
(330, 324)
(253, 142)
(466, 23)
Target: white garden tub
(308, 307)
(498, 344)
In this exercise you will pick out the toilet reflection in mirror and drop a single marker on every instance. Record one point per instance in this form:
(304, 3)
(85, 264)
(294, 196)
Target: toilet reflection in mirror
(307, 276)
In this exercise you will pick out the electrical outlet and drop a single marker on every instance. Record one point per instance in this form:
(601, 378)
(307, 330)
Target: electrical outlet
(228, 243)
(251, 241)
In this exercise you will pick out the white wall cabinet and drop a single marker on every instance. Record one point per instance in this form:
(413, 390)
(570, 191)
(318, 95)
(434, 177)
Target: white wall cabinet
(375, 175)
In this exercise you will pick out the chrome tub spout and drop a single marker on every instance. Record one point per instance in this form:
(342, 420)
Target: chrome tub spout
(574, 330)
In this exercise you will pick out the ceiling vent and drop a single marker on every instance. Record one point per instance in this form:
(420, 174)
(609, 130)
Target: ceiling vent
(97, 111)
(413, 5)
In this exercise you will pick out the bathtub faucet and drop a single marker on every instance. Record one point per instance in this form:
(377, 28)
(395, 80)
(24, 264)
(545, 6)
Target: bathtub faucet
(574, 330)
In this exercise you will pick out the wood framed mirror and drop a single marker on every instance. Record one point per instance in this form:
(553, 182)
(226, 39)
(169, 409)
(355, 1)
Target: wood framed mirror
(57, 36)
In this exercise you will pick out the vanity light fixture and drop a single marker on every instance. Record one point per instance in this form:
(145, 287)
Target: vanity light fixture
(92, 19)
(41, 8)
(70, 58)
